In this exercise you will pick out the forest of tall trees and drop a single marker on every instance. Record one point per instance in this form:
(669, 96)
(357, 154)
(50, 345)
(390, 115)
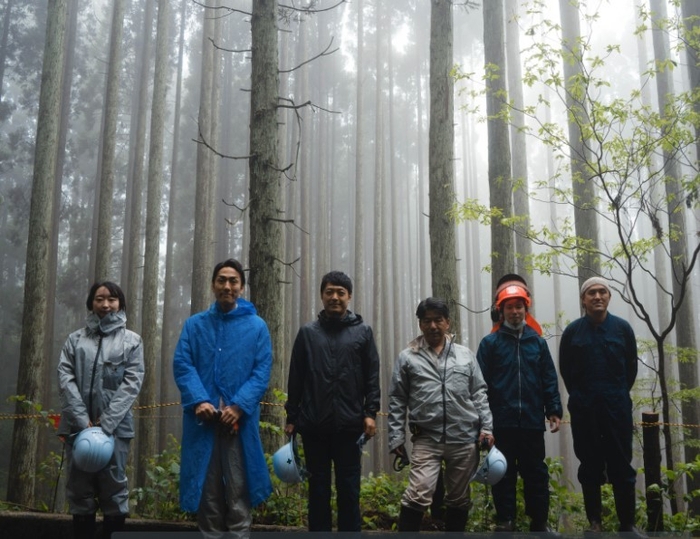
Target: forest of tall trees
(424, 148)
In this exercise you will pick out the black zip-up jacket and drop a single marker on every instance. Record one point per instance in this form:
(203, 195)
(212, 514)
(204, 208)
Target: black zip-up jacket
(522, 379)
(333, 376)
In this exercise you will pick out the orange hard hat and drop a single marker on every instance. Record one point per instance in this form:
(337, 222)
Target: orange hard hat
(513, 291)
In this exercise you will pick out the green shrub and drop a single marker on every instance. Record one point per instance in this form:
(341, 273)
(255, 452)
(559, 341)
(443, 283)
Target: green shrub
(160, 498)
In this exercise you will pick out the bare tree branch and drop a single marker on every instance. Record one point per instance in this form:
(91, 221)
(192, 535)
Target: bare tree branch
(324, 52)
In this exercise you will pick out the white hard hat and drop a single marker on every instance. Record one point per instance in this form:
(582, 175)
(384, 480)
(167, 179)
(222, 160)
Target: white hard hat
(92, 449)
(492, 469)
(287, 463)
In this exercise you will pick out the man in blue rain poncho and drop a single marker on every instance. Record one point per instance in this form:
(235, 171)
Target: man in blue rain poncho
(222, 367)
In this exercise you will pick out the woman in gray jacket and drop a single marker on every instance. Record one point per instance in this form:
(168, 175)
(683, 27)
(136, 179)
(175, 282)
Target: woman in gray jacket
(100, 373)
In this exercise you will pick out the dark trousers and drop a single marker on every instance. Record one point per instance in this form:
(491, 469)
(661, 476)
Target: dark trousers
(524, 452)
(339, 450)
(603, 443)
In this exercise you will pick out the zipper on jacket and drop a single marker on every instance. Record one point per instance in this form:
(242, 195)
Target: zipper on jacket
(92, 379)
(520, 381)
(444, 400)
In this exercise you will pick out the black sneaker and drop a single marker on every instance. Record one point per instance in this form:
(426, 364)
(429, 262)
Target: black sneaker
(504, 526)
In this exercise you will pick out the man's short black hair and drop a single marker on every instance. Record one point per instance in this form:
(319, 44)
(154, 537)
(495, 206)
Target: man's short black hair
(115, 291)
(230, 263)
(433, 304)
(337, 278)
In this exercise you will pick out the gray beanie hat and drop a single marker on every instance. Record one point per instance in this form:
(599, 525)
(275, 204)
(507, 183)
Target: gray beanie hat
(595, 281)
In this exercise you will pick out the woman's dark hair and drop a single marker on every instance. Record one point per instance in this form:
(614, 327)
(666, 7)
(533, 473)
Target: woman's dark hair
(337, 278)
(230, 263)
(433, 304)
(114, 291)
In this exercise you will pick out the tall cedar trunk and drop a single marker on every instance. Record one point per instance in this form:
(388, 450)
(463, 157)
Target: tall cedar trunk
(21, 475)
(148, 426)
(7, 17)
(585, 213)
(359, 226)
(287, 200)
(675, 197)
(133, 222)
(49, 340)
(500, 182)
(395, 205)
(203, 253)
(443, 249)
(168, 392)
(521, 199)
(309, 295)
(423, 247)
(265, 229)
(380, 307)
(691, 414)
(103, 237)
(475, 293)
(215, 214)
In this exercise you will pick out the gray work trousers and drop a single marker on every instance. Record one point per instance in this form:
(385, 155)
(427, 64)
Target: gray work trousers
(106, 489)
(224, 508)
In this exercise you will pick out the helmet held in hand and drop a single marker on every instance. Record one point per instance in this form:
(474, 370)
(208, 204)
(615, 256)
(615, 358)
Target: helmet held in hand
(287, 463)
(492, 468)
(92, 449)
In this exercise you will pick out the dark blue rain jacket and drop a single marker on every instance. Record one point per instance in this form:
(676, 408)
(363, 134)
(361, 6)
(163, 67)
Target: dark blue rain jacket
(522, 380)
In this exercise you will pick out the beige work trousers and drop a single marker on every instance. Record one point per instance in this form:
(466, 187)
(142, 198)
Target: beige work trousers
(460, 460)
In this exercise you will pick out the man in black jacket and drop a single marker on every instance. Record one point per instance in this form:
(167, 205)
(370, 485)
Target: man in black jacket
(333, 398)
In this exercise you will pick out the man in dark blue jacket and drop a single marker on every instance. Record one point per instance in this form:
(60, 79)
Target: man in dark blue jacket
(333, 398)
(598, 363)
(522, 391)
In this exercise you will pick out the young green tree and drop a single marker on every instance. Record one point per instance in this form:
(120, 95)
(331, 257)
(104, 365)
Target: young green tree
(620, 160)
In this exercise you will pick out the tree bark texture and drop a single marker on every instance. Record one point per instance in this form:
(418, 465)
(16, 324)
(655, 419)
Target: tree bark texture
(265, 210)
(443, 253)
(203, 255)
(585, 215)
(103, 252)
(676, 198)
(21, 477)
(148, 426)
(500, 182)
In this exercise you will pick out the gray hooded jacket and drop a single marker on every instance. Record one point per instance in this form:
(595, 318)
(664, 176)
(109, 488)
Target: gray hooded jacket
(100, 373)
(446, 402)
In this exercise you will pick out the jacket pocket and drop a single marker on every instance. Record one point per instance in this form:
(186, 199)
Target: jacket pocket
(113, 374)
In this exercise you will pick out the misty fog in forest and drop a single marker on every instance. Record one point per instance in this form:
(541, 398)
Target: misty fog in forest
(569, 150)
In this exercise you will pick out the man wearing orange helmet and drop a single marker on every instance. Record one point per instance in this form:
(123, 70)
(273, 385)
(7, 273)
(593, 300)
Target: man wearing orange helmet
(523, 391)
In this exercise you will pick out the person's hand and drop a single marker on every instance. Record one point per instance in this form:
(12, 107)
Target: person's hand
(205, 411)
(400, 451)
(554, 422)
(230, 415)
(370, 427)
(401, 459)
(486, 440)
(289, 429)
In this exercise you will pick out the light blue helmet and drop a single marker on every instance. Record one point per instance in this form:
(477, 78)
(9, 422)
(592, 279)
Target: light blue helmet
(92, 449)
(287, 463)
(492, 469)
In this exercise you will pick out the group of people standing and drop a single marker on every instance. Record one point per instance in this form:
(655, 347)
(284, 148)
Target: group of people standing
(450, 401)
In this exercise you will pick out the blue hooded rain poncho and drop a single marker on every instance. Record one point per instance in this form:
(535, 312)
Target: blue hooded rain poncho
(224, 359)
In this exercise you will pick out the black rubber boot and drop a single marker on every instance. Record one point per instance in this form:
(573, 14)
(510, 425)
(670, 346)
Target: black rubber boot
(84, 526)
(112, 523)
(594, 507)
(455, 519)
(625, 505)
(409, 519)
